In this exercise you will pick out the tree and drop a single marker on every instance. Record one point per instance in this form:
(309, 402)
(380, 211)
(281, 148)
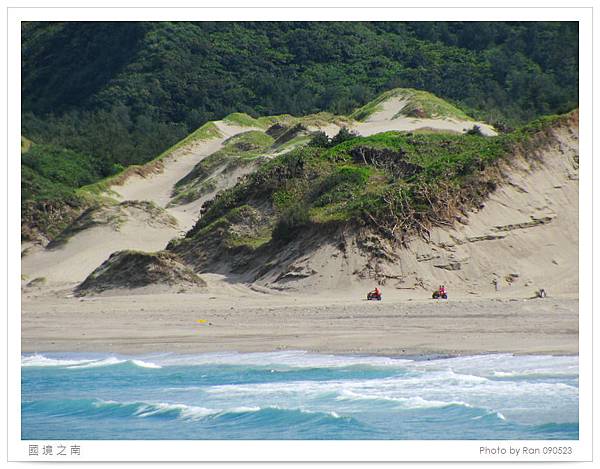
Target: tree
(343, 135)
(319, 139)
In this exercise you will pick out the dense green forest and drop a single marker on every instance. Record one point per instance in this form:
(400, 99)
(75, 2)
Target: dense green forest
(119, 93)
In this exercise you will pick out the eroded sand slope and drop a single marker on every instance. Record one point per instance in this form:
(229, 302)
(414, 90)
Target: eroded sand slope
(523, 238)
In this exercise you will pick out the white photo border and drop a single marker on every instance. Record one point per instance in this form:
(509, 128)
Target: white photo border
(383, 450)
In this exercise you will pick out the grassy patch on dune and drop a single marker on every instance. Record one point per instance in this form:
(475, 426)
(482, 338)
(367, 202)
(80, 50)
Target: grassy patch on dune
(425, 150)
(320, 119)
(419, 104)
(247, 141)
(426, 105)
(241, 226)
(47, 207)
(364, 112)
(246, 145)
(252, 242)
(296, 141)
(193, 192)
(244, 120)
(240, 150)
(397, 182)
(61, 166)
(284, 119)
(205, 132)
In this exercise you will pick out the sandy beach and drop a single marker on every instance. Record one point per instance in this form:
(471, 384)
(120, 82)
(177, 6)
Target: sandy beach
(524, 237)
(244, 320)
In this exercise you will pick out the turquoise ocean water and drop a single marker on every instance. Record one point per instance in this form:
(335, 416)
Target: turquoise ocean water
(298, 395)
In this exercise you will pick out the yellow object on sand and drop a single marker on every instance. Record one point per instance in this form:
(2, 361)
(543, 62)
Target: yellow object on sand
(200, 321)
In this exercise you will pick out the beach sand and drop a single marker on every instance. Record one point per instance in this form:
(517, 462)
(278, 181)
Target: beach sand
(244, 320)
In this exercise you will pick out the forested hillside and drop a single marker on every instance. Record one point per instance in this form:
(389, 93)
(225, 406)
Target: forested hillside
(123, 92)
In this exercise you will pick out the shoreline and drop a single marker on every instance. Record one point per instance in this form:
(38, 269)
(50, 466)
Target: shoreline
(259, 322)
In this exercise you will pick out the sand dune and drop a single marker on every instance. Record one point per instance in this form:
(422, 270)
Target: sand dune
(388, 118)
(73, 261)
(525, 237)
(158, 188)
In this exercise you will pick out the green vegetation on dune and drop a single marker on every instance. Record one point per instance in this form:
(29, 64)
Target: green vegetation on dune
(231, 239)
(242, 228)
(136, 269)
(294, 142)
(205, 132)
(244, 146)
(364, 112)
(247, 141)
(418, 103)
(284, 119)
(240, 150)
(50, 177)
(426, 105)
(318, 119)
(36, 187)
(397, 183)
(240, 118)
(188, 193)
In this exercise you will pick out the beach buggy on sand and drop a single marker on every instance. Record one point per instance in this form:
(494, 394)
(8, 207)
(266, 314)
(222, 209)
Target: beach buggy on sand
(374, 295)
(440, 293)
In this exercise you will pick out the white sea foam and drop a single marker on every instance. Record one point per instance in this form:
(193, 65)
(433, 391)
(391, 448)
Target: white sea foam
(244, 409)
(524, 401)
(143, 364)
(415, 402)
(38, 360)
(441, 384)
(186, 412)
(102, 403)
(190, 412)
(466, 367)
(539, 373)
(41, 360)
(302, 410)
(99, 363)
(291, 359)
(506, 365)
